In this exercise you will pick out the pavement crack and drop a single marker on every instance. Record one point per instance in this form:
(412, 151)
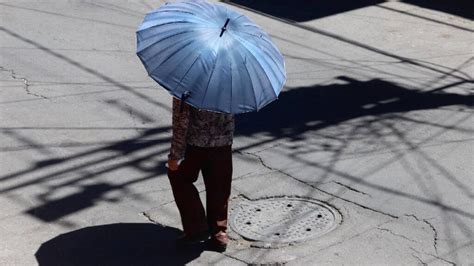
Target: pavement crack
(262, 162)
(166, 203)
(351, 188)
(173, 201)
(26, 83)
(244, 176)
(431, 255)
(148, 217)
(270, 147)
(445, 260)
(268, 264)
(430, 225)
(309, 184)
(395, 234)
(419, 259)
(235, 258)
(343, 241)
(435, 235)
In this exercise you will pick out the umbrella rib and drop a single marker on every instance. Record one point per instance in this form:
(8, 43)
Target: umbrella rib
(167, 37)
(199, 7)
(276, 63)
(258, 36)
(174, 10)
(253, 89)
(265, 51)
(187, 71)
(171, 55)
(156, 54)
(263, 69)
(237, 18)
(210, 77)
(178, 11)
(251, 34)
(231, 88)
(185, 7)
(251, 25)
(167, 23)
(214, 11)
(271, 69)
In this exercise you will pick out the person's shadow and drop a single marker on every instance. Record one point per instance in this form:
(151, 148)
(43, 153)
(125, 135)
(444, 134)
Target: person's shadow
(117, 244)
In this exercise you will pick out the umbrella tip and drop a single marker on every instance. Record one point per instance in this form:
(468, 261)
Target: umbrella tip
(225, 27)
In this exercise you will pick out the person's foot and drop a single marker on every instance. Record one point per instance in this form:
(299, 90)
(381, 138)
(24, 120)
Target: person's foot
(218, 242)
(185, 240)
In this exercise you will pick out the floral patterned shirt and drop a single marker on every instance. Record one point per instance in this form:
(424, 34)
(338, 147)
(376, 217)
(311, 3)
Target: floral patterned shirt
(192, 126)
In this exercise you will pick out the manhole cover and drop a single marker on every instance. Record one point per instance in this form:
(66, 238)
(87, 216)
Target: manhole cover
(282, 220)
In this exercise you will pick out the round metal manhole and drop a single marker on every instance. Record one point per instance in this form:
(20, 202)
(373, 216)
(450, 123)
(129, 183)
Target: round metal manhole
(282, 220)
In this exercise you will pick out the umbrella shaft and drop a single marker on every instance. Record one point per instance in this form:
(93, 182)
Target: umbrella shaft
(185, 95)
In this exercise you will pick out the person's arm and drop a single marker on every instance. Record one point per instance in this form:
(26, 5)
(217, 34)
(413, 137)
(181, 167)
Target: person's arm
(180, 130)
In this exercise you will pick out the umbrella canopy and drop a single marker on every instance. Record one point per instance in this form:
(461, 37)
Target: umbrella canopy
(215, 57)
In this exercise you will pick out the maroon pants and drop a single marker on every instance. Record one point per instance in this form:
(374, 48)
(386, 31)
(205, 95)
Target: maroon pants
(216, 166)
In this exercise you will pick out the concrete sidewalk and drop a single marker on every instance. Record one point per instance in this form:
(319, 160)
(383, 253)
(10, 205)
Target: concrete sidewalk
(375, 120)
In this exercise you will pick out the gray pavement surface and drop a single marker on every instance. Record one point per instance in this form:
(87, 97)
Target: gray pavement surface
(375, 120)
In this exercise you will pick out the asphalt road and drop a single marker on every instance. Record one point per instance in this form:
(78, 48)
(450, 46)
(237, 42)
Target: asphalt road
(375, 120)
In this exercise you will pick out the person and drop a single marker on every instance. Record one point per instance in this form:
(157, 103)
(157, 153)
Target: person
(201, 141)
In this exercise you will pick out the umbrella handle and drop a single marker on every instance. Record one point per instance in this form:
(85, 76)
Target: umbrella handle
(225, 27)
(184, 96)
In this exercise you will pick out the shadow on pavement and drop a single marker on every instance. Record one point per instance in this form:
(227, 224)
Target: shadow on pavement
(296, 116)
(149, 165)
(305, 10)
(53, 210)
(462, 8)
(302, 10)
(299, 111)
(304, 109)
(116, 244)
(329, 118)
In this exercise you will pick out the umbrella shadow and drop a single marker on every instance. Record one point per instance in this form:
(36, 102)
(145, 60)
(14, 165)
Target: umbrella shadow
(117, 244)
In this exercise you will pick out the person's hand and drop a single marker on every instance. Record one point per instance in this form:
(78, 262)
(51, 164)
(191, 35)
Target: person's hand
(173, 164)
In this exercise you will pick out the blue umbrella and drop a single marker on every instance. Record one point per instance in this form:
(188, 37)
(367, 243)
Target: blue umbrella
(211, 56)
